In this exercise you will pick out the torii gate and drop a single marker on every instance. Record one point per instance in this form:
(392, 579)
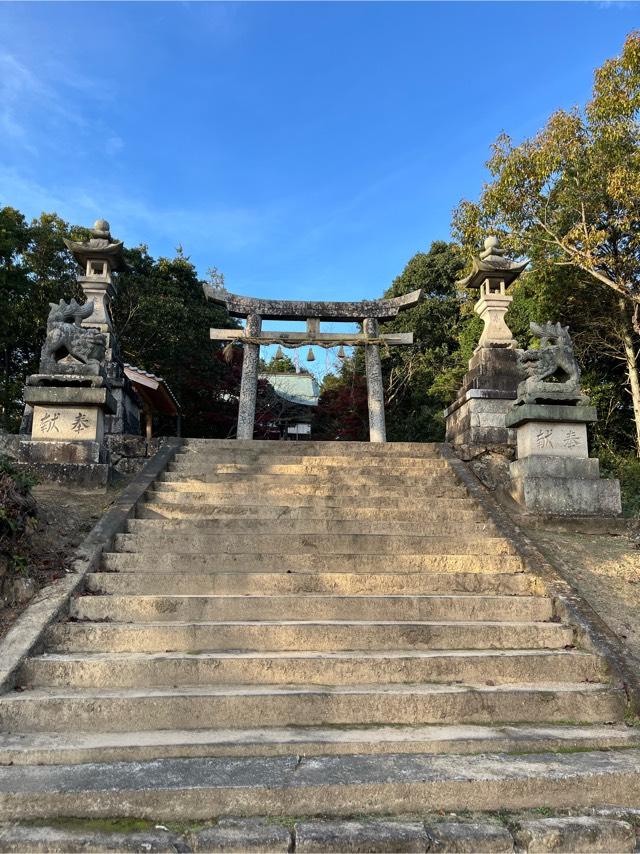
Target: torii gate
(367, 312)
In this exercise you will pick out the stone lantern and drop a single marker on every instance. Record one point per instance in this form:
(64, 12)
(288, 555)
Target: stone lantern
(477, 416)
(97, 259)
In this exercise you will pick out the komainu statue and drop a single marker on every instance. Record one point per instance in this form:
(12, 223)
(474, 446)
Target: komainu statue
(69, 348)
(553, 375)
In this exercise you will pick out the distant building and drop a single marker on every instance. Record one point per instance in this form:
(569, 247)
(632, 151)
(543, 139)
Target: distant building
(290, 403)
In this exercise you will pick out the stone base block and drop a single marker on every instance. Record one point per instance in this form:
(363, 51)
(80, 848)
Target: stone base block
(84, 475)
(567, 496)
(478, 418)
(62, 452)
(547, 466)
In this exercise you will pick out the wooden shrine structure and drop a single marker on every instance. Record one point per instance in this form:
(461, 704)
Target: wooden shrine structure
(368, 313)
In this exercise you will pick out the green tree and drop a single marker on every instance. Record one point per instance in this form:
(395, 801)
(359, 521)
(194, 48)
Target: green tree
(160, 313)
(342, 412)
(278, 365)
(420, 381)
(35, 270)
(163, 319)
(570, 196)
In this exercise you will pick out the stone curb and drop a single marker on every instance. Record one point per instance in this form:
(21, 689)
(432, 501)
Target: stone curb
(593, 633)
(493, 835)
(23, 637)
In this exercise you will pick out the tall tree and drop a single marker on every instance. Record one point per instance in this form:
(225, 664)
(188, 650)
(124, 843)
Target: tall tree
(420, 381)
(570, 196)
(163, 319)
(35, 269)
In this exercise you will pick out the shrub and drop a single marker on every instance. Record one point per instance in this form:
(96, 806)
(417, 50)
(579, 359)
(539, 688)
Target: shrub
(17, 508)
(626, 467)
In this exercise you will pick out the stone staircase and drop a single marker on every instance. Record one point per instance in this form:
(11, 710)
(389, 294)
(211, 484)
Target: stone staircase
(324, 628)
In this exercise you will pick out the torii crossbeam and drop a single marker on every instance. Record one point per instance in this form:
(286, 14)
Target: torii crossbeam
(367, 312)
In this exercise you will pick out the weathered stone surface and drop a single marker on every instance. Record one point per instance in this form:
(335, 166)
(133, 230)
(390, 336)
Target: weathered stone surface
(67, 423)
(360, 836)
(477, 416)
(231, 835)
(553, 473)
(17, 839)
(239, 306)
(550, 438)
(479, 419)
(576, 834)
(552, 370)
(375, 386)
(539, 465)
(568, 496)
(69, 395)
(61, 452)
(491, 265)
(551, 412)
(491, 307)
(249, 381)
(478, 837)
(68, 347)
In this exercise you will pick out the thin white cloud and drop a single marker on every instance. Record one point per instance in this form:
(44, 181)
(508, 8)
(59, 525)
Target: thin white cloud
(138, 221)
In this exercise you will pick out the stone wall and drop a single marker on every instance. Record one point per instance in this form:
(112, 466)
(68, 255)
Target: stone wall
(130, 453)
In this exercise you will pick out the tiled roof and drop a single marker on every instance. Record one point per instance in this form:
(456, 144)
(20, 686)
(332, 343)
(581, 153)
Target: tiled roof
(302, 389)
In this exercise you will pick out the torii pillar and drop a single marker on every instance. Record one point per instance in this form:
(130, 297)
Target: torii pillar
(249, 382)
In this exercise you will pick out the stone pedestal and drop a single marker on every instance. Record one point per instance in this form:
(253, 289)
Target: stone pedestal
(553, 472)
(67, 429)
(477, 416)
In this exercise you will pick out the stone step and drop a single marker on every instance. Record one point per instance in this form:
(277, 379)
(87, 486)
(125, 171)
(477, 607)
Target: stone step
(51, 748)
(288, 464)
(155, 670)
(251, 706)
(164, 494)
(299, 635)
(333, 481)
(175, 581)
(187, 527)
(204, 608)
(163, 560)
(202, 542)
(203, 503)
(463, 512)
(260, 447)
(188, 789)
(422, 494)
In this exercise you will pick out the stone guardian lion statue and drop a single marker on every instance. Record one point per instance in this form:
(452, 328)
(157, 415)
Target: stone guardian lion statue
(67, 338)
(552, 372)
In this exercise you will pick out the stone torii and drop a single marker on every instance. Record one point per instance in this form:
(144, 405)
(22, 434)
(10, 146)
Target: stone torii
(367, 312)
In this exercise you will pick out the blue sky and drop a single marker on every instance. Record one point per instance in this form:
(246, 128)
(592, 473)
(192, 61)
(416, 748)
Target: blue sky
(305, 149)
